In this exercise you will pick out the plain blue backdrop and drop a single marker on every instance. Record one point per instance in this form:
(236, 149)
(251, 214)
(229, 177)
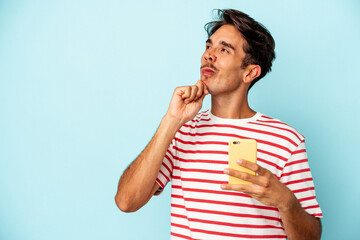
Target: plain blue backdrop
(84, 85)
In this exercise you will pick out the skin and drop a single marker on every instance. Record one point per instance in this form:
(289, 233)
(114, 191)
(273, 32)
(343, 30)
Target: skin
(227, 82)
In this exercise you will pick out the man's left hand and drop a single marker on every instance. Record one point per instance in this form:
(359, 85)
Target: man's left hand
(265, 187)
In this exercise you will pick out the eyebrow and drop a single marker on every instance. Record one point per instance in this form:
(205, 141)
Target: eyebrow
(222, 43)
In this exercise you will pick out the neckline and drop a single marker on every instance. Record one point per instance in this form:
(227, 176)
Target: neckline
(214, 118)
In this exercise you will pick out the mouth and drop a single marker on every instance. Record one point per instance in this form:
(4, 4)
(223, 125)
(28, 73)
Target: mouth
(207, 72)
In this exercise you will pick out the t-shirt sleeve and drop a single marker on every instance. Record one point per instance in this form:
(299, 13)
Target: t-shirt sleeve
(165, 172)
(297, 177)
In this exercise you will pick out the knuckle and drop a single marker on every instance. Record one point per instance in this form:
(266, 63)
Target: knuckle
(261, 192)
(266, 183)
(245, 176)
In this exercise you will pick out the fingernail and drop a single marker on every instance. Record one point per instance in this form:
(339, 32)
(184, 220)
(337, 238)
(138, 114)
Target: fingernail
(223, 186)
(239, 161)
(226, 171)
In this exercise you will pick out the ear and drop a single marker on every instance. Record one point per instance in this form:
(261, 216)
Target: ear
(251, 72)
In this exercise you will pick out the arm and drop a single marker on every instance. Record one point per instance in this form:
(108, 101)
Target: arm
(138, 183)
(267, 189)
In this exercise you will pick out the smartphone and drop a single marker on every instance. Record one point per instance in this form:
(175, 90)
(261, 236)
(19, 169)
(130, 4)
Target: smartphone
(245, 149)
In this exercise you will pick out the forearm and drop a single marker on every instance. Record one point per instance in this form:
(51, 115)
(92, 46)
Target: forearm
(298, 223)
(137, 181)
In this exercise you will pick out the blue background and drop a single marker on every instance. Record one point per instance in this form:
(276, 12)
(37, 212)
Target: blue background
(84, 85)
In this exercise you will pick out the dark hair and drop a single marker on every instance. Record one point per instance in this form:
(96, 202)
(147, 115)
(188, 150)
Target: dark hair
(259, 46)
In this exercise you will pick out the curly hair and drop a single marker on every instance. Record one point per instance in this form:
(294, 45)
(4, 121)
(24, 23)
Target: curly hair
(259, 47)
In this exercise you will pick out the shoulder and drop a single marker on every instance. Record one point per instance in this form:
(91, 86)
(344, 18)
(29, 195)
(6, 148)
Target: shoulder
(200, 118)
(277, 126)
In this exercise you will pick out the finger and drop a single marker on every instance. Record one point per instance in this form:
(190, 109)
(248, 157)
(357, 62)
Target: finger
(252, 166)
(245, 188)
(194, 90)
(244, 176)
(186, 91)
(199, 92)
(202, 97)
(206, 90)
(201, 87)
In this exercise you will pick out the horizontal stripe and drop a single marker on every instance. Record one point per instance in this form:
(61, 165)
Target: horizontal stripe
(235, 136)
(299, 151)
(198, 170)
(222, 192)
(285, 129)
(317, 214)
(226, 153)
(272, 154)
(314, 206)
(267, 117)
(199, 180)
(201, 120)
(243, 129)
(303, 189)
(226, 144)
(201, 142)
(227, 234)
(296, 172)
(201, 161)
(296, 162)
(240, 215)
(276, 122)
(298, 181)
(201, 151)
(237, 225)
(180, 236)
(270, 164)
(306, 199)
(225, 203)
(272, 121)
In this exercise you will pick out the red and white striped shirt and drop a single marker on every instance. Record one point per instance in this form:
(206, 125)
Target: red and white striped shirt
(195, 163)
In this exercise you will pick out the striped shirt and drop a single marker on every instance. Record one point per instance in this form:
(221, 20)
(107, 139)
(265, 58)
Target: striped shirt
(195, 163)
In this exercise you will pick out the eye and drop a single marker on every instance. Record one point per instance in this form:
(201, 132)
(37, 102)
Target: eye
(224, 50)
(207, 47)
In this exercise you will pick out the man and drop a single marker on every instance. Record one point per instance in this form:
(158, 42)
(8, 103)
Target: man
(191, 150)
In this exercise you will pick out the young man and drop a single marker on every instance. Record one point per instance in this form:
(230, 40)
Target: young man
(191, 149)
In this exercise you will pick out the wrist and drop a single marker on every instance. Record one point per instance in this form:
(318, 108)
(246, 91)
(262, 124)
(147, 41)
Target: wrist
(289, 203)
(172, 122)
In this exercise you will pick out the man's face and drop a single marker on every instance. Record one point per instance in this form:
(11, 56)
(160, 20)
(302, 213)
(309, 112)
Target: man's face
(221, 62)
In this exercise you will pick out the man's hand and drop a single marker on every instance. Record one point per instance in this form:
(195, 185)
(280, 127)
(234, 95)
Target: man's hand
(186, 102)
(138, 183)
(265, 187)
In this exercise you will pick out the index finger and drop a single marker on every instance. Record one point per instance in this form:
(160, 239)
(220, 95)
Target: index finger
(206, 91)
(252, 166)
(200, 92)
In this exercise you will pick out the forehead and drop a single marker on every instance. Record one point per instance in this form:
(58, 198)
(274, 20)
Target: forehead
(229, 34)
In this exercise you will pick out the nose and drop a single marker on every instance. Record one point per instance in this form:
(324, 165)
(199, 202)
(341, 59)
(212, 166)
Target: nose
(210, 56)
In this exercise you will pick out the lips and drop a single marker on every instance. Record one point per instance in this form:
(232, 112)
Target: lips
(208, 72)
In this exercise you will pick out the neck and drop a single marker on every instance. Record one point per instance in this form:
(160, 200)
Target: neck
(231, 105)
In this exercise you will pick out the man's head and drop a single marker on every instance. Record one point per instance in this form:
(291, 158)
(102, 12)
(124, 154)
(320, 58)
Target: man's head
(238, 48)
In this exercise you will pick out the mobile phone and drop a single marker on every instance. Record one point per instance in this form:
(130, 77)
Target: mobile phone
(245, 149)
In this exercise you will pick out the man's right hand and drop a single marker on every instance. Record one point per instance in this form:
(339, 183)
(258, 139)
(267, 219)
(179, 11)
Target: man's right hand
(138, 183)
(187, 101)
